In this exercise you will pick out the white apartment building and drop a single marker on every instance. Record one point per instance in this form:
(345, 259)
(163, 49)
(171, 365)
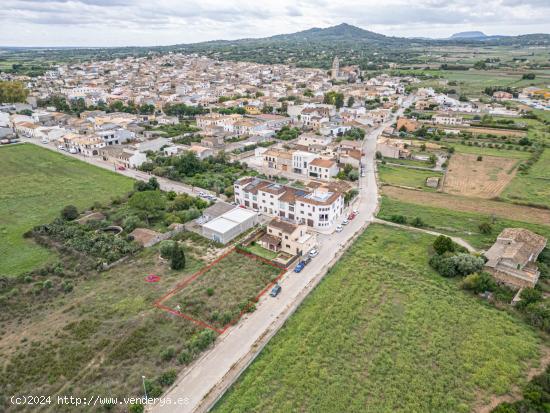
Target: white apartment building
(318, 209)
(301, 160)
(447, 119)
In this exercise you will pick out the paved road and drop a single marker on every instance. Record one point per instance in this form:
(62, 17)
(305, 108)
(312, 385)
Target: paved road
(205, 380)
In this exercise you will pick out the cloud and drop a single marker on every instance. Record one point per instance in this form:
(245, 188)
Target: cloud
(147, 22)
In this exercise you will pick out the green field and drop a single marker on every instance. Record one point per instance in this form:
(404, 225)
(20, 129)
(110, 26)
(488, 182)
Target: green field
(403, 176)
(533, 187)
(472, 82)
(37, 183)
(454, 223)
(383, 333)
(477, 150)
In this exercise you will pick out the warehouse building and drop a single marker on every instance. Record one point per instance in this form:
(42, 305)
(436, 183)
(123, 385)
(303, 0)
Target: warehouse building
(229, 225)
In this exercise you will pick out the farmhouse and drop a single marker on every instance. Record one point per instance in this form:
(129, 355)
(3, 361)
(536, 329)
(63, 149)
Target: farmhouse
(447, 119)
(393, 148)
(227, 226)
(512, 258)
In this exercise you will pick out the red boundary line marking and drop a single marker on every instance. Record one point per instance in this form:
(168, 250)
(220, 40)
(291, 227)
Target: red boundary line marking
(180, 286)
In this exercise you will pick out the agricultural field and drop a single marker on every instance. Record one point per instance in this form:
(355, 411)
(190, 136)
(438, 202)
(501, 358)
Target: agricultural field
(37, 184)
(533, 187)
(218, 295)
(484, 178)
(472, 82)
(403, 176)
(486, 151)
(382, 332)
(455, 223)
(476, 205)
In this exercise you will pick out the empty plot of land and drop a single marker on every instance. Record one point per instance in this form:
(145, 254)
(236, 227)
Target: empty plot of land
(218, 295)
(459, 203)
(483, 179)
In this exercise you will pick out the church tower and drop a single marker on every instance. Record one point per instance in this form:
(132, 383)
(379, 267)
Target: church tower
(335, 73)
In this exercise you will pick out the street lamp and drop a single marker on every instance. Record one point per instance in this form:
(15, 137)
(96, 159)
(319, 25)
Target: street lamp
(144, 388)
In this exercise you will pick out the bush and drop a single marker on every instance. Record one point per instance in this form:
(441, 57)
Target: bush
(485, 228)
(69, 213)
(130, 223)
(478, 282)
(398, 219)
(417, 222)
(529, 296)
(166, 248)
(184, 357)
(167, 378)
(168, 354)
(479, 158)
(202, 340)
(460, 264)
(136, 408)
(210, 292)
(443, 244)
(177, 261)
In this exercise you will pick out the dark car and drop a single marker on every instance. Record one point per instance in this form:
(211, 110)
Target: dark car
(307, 260)
(299, 267)
(275, 290)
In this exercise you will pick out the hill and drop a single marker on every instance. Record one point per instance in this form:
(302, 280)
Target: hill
(469, 35)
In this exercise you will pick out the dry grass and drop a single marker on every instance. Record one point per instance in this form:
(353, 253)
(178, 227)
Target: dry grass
(460, 203)
(482, 179)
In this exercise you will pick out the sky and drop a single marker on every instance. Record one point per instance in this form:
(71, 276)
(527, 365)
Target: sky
(167, 22)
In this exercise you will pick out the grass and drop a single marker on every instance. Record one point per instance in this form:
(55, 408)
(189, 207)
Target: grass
(409, 162)
(261, 251)
(534, 187)
(484, 151)
(98, 339)
(383, 333)
(223, 291)
(36, 184)
(402, 176)
(455, 223)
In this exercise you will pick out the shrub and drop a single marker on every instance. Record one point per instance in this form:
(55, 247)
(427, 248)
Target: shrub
(167, 378)
(166, 248)
(130, 223)
(417, 222)
(210, 292)
(529, 296)
(184, 357)
(460, 264)
(479, 158)
(443, 244)
(168, 353)
(202, 340)
(485, 228)
(177, 261)
(478, 282)
(398, 219)
(69, 213)
(136, 408)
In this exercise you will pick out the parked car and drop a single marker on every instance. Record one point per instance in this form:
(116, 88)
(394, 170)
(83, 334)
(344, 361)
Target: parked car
(313, 253)
(306, 260)
(351, 216)
(345, 222)
(339, 228)
(299, 267)
(275, 290)
(45, 140)
(355, 212)
(121, 168)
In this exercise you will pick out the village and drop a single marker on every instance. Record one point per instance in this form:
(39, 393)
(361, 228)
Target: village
(268, 173)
